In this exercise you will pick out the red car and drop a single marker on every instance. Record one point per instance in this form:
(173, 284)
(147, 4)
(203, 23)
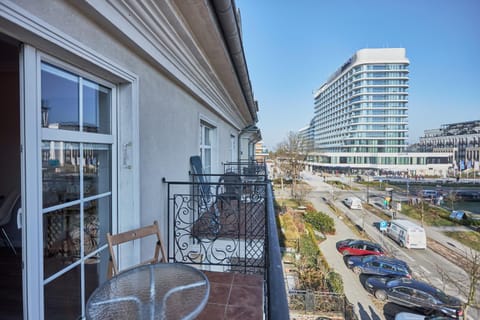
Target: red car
(352, 247)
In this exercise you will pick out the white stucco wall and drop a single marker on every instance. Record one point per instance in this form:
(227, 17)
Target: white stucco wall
(169, 109)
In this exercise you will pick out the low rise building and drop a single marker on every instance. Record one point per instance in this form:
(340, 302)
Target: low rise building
(461, 140)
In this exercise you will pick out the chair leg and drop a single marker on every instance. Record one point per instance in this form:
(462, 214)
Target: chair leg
(5, 235)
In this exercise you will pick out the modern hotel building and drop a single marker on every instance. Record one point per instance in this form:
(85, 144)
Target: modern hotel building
(361, 116)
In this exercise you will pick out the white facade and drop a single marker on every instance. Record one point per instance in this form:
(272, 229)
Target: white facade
(461, 139)
(363, 106)
(361, 116)
(415, 163)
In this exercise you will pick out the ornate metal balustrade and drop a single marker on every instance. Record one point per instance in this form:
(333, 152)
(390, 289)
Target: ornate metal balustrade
(219, 223)
(246, 168)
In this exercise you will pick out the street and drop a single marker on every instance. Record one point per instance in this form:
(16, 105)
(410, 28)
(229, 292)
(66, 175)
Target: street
(426, 265)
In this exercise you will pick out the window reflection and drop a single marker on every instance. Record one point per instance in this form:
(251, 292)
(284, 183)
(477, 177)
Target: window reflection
(62, 234)
(96, 169)
(61, 239)
(60, 99)
(96, 107)
(60, 172)
(61, 102)
(96, 223)
(63, 297)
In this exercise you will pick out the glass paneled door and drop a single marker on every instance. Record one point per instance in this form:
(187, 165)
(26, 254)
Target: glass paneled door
(77, 148)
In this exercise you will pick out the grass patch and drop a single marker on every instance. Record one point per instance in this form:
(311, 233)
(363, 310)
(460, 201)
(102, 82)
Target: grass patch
(469, 238)
(338, 184)
(289, 203)
(432, 216)
(371, 208)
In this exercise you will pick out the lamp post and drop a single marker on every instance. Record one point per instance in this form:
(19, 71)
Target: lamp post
(390, 192)
(408, 186)
(368, 189)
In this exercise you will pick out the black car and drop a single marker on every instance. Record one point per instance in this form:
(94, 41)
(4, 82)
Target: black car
(380, 266)
(415, 294)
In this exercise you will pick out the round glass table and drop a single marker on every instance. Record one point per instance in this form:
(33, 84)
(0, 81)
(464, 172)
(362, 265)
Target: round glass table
(155, 291)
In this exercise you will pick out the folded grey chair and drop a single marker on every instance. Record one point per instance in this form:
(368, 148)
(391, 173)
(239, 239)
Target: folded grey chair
(8, 205)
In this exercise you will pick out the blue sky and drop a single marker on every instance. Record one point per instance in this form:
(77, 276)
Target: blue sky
(293, 46)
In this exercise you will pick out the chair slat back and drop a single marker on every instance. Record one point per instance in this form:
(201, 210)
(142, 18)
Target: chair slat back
(204, 187)
(132, 235)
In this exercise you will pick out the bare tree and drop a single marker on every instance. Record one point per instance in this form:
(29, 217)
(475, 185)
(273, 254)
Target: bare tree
(301, 192)
(452, 197)
(472, 267)
(291, 157)
(466, 285)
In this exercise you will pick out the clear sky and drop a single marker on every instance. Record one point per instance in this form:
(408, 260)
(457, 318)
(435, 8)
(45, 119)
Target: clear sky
(293, 46)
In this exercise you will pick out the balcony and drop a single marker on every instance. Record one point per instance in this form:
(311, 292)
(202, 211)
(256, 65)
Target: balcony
(224, 224)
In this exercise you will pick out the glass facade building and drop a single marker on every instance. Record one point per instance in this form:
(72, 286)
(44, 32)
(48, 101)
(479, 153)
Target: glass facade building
(363, 106)
(361, 119)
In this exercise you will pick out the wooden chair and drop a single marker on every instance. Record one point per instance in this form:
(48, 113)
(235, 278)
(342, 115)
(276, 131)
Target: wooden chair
(115, 240)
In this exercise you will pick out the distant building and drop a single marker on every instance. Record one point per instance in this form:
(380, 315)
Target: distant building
(363, 106)
(306, 136)
(461, 139)
(361, 117)
(261, 152)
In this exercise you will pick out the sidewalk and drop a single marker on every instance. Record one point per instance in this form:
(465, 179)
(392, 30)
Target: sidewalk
(363, 304)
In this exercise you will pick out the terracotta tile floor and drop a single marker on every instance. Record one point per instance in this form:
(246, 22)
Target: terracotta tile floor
(233, 296)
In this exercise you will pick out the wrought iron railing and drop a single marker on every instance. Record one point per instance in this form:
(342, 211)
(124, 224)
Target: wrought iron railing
(246, 168)
(227, 224)
(218, 223)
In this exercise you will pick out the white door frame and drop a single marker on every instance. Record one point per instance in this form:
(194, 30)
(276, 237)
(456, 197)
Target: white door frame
(125, 168)
(32, 242)
(40, 35)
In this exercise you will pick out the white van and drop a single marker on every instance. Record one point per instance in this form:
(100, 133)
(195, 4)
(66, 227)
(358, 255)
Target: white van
(354, 203)
(407, 234)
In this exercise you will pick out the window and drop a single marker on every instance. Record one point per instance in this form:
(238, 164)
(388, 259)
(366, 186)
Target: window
(206, 146)
(77, 152)
(421, 295)
(404, 291)
(388, 267)
(70, 102)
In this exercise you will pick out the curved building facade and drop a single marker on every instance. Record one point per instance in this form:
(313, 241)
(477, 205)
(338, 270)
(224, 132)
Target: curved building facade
(361, 116)
(363, 107)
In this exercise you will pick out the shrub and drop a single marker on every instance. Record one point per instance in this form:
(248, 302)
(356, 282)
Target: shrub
(310, 208)
(308, 248)
(334, 282)
(321, 222)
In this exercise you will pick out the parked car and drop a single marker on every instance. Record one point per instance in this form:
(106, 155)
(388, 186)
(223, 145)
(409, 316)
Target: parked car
(415, 294)
(414, 316)
(380, 266)
(353, 203)
(352, 247)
